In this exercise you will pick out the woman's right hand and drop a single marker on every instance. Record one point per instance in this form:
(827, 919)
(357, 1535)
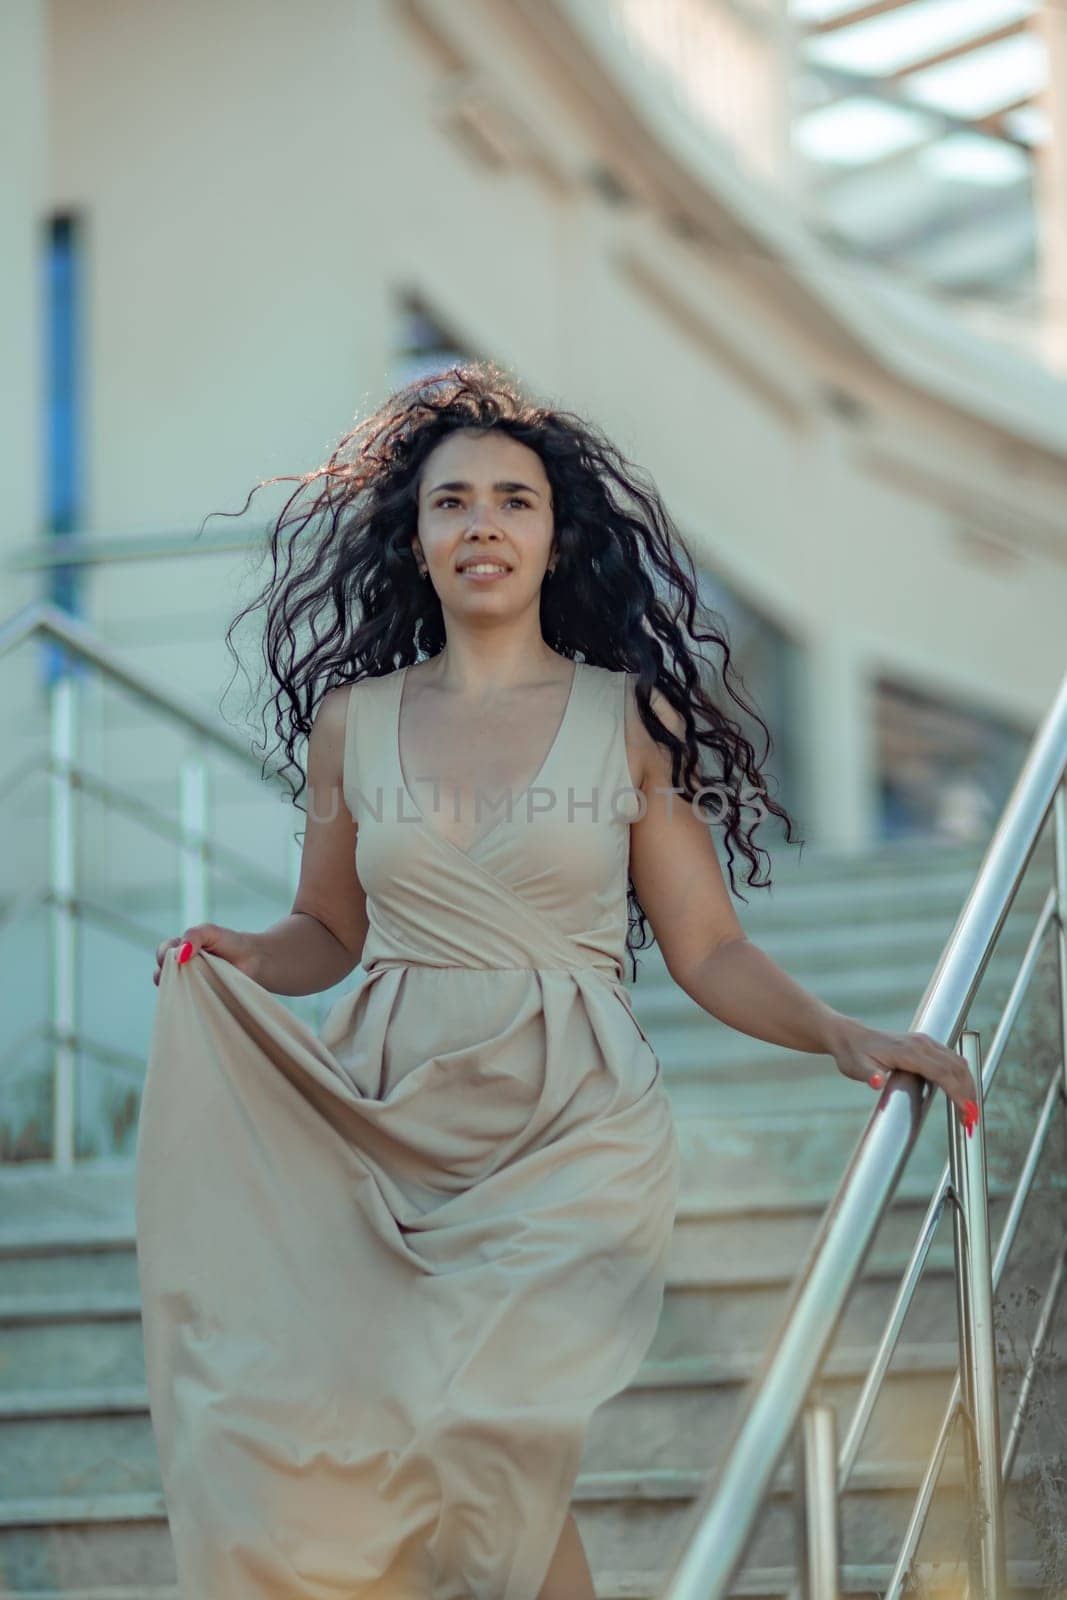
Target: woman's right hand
(239, 949)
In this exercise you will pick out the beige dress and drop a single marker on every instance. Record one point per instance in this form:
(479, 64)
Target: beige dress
(389, 1270)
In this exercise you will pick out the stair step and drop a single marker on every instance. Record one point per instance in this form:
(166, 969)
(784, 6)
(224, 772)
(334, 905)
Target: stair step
(70, 1306)
(139, 1591)
(731, 1267)
(675, 1414)
(710, 1305)
(822, 906)
(769, 1583)
(1024, 1582)
(724, 1154)
(639, 1533)
(591, 1488)
(43, 1510)
(625, 1519)
(886, 998)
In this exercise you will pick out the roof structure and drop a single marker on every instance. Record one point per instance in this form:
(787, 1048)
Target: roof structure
(915, 128)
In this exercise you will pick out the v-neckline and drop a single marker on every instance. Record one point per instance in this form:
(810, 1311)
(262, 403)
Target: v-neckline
(469, 853)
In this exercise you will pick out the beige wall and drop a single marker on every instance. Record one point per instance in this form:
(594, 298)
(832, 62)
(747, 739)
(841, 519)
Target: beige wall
(23, 143)
(260, 180)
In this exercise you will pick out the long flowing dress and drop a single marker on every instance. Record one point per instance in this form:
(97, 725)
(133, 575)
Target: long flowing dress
(388, 1270)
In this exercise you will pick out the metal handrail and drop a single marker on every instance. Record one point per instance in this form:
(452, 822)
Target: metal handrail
(240, 869)
(778, 1409)
(871, 1390)
(45, 620)
(201, 858)
(97, 550)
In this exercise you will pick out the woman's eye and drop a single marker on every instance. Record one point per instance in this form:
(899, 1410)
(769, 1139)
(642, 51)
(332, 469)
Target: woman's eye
(450, 499)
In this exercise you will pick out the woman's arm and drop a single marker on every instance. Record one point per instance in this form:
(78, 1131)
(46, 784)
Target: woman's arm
(322, 938)
(680, 884)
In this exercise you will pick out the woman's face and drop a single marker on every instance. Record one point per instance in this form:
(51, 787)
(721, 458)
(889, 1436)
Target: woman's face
(484, 497)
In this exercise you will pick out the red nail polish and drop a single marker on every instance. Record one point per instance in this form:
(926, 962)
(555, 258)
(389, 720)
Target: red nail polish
(184, 952)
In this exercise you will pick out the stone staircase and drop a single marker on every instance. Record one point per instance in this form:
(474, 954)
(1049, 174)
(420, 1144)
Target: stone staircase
(765, 1135)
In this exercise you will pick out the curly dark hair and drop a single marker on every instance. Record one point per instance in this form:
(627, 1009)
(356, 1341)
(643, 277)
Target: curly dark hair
(346, 602)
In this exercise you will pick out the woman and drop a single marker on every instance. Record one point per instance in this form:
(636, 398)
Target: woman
(432, 1240)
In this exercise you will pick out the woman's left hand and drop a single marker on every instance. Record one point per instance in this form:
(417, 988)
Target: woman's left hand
(869, 1054)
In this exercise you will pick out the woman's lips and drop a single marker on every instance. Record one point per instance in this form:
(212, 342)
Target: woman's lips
(483, 577)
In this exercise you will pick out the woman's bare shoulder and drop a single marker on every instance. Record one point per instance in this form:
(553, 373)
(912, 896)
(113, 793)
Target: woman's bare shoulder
(647, 754)
(343, 697)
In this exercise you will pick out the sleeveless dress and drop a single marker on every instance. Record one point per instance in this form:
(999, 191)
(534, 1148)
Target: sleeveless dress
(388, 1270)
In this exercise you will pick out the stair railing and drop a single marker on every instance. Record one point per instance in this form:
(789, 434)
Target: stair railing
(783, 1404)
(189, 826)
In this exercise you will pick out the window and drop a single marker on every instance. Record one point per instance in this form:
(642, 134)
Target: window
(63, 423)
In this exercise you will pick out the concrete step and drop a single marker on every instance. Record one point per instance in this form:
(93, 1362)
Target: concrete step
(680, 1414)
(889, 858)
(860, 1579)
(95, 1267)
(138, 1591)
(93, 1341)
(724, 1141)
(769, 1583)
(675, 1021)
(773, 1155)
(51, 1343)
(813, 1086)
(63, 1544)
(632, 1521)
(812, 952)
(701, 1048)
(728, 1278)
(1025, 1583)
(45, 1345)
(38, 1195)
(677, 1415)
(818, 905)
(640, 1529)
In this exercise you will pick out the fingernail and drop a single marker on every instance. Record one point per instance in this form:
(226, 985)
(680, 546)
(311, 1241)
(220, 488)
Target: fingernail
(877, 1082)
(184, 952)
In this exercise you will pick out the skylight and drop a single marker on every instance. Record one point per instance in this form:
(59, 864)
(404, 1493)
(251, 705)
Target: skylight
(859, 129)
(821, 10)
(911, 33)
(1028, 123)
(972, 158)
(984, 80)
